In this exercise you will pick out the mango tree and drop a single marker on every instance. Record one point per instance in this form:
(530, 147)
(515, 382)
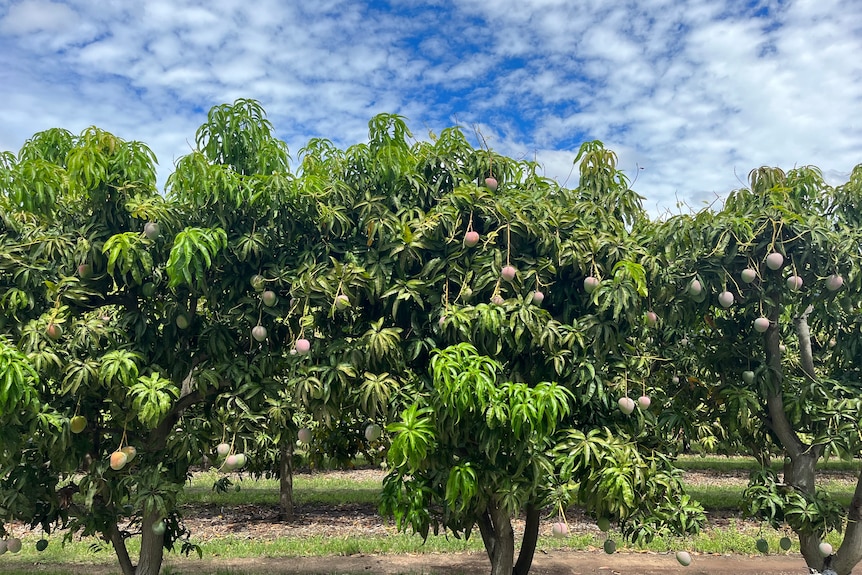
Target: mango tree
(101, 381)
(135, 315)
(540, 293)
(760, 324)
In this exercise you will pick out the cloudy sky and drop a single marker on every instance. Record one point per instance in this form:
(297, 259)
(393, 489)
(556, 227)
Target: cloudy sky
(692, 94)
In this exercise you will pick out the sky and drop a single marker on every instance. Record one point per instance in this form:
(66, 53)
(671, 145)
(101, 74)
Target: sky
(691, 94)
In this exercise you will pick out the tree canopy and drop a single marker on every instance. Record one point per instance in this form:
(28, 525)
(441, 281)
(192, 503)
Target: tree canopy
(494, 321)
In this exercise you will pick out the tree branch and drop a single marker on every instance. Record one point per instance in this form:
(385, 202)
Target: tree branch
(850, 552)
(803, 332)
(778, 421)
(119, 544)
(528, 543)
(487, 531)
(159, 435)
(188, 397)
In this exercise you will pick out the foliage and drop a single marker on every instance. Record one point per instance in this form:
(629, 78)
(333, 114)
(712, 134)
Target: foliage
(792, 390)
(476, 440)
(90, 302)
(366, 301)
(609, 476)
(780, 504)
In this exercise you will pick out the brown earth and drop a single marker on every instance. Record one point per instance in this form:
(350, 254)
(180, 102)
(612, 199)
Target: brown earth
(550, 563)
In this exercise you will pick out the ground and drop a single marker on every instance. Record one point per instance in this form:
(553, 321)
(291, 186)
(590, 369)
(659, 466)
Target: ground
(551, 563)
(343, 520)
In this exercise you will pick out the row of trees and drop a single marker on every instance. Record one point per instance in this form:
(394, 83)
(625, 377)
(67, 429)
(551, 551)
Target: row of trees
(492, 318)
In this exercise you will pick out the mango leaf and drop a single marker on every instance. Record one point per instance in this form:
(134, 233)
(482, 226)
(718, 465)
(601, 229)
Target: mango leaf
(18, 382)
(193, 253)
(119, 365)
(127, 254)
(152, 396)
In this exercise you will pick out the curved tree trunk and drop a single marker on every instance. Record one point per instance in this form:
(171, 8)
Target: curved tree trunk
(800, 472)
(503, 557)
(495, 525)
(850, 552)
(152, 548)
(802, 476)
(285, 483)
(528, 544)
(119, 545)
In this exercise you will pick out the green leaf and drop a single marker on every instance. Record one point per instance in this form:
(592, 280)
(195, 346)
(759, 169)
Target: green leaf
(152, 396)
(192, 255)
(128, 256)
(19, 380)
(119, 366)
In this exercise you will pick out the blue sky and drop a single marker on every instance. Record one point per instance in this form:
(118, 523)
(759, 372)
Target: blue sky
(691, 94)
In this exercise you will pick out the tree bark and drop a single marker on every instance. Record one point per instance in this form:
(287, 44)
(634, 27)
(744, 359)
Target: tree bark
(119, 545)
(528, 543)
(152, 547)
(850, 552)
(285, 483)
(158, 437)
(503, 556)
(803, 333)
(778, 421)
(495, 525)
(801, 473)
(486, 529)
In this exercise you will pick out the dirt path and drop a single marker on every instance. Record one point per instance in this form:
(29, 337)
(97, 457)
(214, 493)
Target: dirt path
(550, 563)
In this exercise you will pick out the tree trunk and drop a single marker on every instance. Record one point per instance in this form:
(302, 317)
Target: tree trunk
(801, 473)
(152, 547)
(528, 544)
(285, 484)
(777, 417)
(503, 557)
(850, 552)
(801, 477)
(119, 545)
(495, 525)
(486, 529)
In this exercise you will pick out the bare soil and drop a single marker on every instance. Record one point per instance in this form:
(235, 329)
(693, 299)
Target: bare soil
(344, 520)
(549, 563)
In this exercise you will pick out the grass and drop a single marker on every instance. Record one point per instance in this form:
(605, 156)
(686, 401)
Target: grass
(336, 490)
(307, 488)
(736, 537)
(747, 464)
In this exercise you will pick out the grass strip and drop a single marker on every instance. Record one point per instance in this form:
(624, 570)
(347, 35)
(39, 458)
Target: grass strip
(731, 464)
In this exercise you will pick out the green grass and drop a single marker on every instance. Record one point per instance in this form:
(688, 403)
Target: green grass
(747, 464)
(307, 488)
(76, 552)
(729, 497)
(323, 545)
(335, 490)
(735, 538)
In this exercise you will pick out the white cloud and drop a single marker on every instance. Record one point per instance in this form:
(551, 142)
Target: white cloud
(34, 16)
(690, 94)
